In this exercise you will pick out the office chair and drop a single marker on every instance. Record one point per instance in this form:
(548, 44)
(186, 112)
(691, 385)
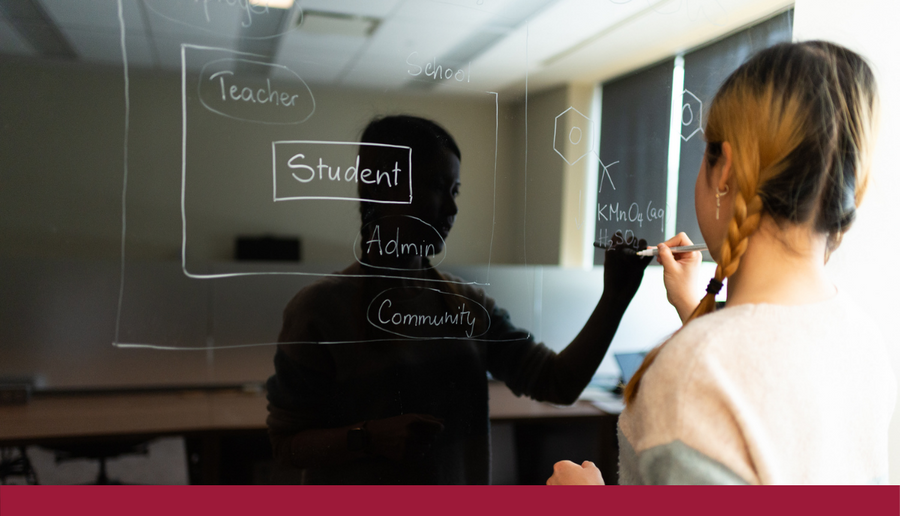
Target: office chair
(100, 451)
(16, 466)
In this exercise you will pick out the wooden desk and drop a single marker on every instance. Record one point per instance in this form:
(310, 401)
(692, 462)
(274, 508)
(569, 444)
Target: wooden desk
(51, 418)
(205, 417)
(55, 417)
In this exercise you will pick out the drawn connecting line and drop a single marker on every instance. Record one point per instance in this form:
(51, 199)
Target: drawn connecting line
(605, 174)
(691, 116)
(571, 124)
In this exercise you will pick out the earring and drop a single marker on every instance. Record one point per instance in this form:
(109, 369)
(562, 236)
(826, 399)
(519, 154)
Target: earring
(720, 193)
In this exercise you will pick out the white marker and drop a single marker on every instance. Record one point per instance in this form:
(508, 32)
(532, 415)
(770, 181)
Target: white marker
(653, 251)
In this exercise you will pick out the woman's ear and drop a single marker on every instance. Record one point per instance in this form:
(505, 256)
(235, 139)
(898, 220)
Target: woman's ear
(722, 170)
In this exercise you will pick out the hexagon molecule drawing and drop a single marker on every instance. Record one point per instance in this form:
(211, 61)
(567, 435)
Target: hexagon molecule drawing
(691, 115)
(573, 126)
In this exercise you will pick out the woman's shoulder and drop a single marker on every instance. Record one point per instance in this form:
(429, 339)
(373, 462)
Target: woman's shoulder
(734, 328)
(726, 341)
(725, 328)
(767, 345)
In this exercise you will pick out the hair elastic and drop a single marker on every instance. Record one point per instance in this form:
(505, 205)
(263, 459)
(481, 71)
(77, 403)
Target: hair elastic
(714, 286)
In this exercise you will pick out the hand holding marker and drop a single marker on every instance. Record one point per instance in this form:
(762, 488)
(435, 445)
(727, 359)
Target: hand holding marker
(653, 251)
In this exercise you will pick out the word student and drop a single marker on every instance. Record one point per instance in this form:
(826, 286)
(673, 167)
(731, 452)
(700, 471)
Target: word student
(352, 173)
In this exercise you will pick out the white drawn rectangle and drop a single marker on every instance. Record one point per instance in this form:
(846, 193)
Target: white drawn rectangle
(186, 100)
(294, 187)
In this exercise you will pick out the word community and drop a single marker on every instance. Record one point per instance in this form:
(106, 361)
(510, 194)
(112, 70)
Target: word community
(461, 318)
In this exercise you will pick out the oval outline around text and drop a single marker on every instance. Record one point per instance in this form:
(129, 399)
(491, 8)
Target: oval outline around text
(312, 98)
(359, 234)
(487, 315)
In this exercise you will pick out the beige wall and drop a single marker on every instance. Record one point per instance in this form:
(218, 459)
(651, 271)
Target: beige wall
(539, 185)
(863, 266)
(547, 212)
(576, 233)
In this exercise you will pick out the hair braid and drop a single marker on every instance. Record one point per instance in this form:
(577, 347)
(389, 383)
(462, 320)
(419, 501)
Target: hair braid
(744, 222)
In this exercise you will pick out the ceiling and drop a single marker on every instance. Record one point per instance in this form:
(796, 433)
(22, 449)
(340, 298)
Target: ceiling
(381, 44)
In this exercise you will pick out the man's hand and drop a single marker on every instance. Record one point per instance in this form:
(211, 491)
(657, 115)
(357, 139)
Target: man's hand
(623, 268)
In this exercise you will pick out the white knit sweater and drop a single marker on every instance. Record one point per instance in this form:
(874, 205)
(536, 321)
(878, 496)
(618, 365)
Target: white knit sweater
(764, 394)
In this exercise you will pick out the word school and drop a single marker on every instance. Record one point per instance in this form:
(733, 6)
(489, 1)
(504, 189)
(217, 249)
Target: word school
(439, 71)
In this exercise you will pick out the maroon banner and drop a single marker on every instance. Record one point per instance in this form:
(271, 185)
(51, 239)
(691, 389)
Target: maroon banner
(448, 500)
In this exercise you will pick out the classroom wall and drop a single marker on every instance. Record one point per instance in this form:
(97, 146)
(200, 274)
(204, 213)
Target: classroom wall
(579, 196)
(859, 270)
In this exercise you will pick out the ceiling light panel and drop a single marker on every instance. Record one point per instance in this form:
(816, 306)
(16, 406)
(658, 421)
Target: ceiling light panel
(335, 24)
(277, 4)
